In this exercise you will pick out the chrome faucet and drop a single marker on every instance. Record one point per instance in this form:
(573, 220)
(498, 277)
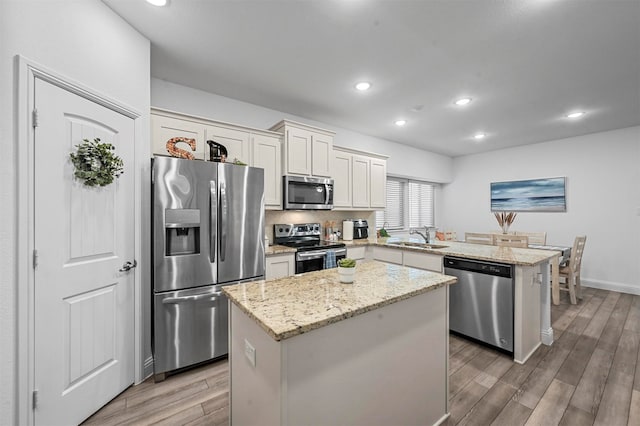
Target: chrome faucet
(425, 235)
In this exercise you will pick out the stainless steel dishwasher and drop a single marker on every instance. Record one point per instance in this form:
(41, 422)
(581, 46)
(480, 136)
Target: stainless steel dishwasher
(481, 302)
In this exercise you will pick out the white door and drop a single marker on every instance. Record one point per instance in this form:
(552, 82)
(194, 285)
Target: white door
(84, 306)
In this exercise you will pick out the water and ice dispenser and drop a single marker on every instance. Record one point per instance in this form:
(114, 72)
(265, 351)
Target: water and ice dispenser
(182, 231)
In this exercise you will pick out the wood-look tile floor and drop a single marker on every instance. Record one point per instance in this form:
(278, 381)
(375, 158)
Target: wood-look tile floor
(588, 376)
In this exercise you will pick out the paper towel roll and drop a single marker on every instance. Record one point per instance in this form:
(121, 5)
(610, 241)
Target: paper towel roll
(347, 230)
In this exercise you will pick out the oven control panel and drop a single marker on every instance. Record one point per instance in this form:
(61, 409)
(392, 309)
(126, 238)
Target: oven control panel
(283, 230)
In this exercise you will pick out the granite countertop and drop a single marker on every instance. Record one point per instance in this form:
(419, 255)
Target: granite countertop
(298, 304)
(510, 255)
(278, 249)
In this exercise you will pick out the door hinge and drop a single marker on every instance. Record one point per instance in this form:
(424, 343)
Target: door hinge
(34, 118)
(35, 259)
(34, 398)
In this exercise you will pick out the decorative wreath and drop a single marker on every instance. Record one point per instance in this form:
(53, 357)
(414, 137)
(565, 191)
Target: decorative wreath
(96, 164)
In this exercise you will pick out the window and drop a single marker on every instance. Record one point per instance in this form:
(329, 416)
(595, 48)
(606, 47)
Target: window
(409, 205)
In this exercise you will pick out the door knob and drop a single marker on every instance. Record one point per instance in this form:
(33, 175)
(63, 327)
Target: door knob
(128, 265)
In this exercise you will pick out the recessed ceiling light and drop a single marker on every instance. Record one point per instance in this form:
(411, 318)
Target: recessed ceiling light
(157, 2)
(363, 85)
(401, 122)
(462, 101)
(576, 114)
(479, 136)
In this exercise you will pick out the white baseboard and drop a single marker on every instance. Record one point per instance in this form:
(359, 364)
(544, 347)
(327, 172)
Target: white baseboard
(613, 286)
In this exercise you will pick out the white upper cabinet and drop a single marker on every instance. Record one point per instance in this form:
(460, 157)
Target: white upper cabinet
(359, 180)
(236, 142)
(266, 154)
(307, 150)
(164, 129)
(255, 147)
(342, 175)
(378, 183)
(361, 166)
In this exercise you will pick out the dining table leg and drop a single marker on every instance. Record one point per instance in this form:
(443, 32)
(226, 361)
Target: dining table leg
(555, 280)
(546, 331)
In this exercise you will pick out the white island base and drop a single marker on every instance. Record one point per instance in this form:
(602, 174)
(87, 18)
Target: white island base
(385, 366)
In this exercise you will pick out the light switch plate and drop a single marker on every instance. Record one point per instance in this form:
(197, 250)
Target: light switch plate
(250, 352)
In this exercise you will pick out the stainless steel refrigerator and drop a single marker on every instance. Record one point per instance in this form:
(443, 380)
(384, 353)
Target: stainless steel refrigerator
(208, 228)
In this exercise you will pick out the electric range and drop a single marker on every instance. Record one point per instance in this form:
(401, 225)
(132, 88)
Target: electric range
(311, 250)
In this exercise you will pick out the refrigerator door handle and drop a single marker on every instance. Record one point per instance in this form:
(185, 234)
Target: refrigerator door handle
(174, 300)
(213, 217)
(224, 218)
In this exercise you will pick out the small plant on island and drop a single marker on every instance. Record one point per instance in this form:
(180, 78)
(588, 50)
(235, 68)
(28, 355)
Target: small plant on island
(347, 263)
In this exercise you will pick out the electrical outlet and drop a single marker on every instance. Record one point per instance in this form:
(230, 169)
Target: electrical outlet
(250, 352)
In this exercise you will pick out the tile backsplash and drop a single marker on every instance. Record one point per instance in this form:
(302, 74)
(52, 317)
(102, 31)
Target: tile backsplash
(316, 216)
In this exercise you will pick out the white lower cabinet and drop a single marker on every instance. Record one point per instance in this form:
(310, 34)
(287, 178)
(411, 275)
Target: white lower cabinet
(428, 261)
(280, 266)
(388, 255)
(414, 259)
(357, 253)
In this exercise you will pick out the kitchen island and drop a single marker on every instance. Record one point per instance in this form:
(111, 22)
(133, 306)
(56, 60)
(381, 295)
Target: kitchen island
(307, 349)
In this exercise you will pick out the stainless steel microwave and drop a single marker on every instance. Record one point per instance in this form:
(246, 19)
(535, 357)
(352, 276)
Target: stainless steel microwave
(307, 193)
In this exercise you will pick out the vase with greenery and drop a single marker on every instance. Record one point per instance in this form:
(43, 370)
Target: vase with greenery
(346, 270)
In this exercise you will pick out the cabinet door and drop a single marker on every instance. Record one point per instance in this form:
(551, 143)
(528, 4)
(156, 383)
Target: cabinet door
(378, 183)
(266, 155)
(279, 266)
(321, 154)
(235, 141)
(388, 255)
(166, 128)
(357, 253)
(341, 179)
(298, 151)
(360, 194)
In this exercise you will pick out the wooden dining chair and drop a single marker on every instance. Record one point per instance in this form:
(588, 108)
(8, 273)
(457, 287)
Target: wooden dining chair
(538, 238)
(508, 240)
(477, 238)
(570, 272)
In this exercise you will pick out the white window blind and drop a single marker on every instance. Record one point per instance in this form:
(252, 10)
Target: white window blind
(409, 204)
(420, 204)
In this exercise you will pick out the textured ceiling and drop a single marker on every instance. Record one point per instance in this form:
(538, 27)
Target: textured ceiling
(525, 63)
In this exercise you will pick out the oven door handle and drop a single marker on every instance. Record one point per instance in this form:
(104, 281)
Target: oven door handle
(311, 255)
(319, 254)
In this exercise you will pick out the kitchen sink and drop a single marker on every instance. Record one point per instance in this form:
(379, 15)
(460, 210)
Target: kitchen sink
(417, 245)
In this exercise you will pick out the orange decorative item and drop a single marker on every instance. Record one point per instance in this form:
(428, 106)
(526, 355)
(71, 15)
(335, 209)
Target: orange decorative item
(179, 152)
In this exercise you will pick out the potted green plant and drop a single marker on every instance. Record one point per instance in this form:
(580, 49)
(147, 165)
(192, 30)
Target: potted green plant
(346, 270)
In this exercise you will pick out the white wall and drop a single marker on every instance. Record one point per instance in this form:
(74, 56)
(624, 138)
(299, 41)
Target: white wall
(403, 160)
(86, 42)
(603, 199)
